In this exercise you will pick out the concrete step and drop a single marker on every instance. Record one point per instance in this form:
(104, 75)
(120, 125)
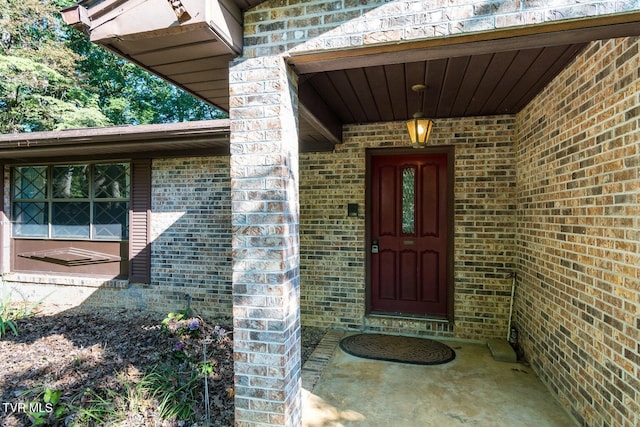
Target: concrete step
(502, 350)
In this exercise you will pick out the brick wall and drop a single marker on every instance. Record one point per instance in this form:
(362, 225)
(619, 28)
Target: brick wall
(191, 248)
(191, 222)
(191, 232)
(578, 297)
(264, 172)
(277, 26)
(333, 251)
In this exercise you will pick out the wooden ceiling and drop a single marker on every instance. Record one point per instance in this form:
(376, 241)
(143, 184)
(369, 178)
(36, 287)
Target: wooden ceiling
(472, 85)
(470, 75)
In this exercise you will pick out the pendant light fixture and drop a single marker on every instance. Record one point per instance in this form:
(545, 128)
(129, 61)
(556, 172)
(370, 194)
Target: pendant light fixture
(419, 126)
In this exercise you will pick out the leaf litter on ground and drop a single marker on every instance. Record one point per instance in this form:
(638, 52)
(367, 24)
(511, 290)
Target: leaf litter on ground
(116, 367)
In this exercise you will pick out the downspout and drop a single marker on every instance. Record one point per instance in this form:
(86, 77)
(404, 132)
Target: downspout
(510, 335)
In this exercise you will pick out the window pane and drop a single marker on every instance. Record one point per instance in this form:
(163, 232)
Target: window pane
(112, 181)
(30, 182)
(30, 220)
(70, 219)
(71, 181)
(71, 201)
(110, 220)
(408, 201)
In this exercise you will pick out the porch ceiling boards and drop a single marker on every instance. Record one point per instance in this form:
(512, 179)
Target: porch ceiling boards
(470, 85)
(475, 74)
(468, 75)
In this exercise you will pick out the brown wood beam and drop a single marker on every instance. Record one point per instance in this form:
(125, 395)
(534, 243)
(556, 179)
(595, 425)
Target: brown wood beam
(510, 39)
(317, 113)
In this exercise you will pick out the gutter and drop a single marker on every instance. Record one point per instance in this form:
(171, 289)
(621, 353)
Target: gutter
(177, 138)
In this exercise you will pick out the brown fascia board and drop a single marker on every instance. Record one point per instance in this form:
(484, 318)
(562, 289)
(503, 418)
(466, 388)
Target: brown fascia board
(77, 17)
(79, 13)
(119, 140)
(135, 19)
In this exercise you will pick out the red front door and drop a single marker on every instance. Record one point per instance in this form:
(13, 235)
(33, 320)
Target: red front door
(409, 234)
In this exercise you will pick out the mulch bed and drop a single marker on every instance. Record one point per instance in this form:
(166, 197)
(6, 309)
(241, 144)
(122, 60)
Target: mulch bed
(99, 359)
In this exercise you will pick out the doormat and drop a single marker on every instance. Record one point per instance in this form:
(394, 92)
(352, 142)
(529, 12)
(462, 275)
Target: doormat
(393, 348)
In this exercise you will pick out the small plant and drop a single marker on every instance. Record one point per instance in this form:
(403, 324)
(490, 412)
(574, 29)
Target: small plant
(170, 319)
(179, 351)
(194, 327)
(98, 409)
(7, 324)
(176, 391)
(219, 333)
(182, 326)
(173, 318)
(11, 312)
(51, 411)
(207, 368)
(112, 407)
(6, 321)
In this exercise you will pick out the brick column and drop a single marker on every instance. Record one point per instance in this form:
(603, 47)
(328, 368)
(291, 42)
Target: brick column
(265, 241)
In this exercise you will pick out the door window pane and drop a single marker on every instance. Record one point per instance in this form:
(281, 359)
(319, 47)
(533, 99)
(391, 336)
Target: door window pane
(71, 182)
(408, 201)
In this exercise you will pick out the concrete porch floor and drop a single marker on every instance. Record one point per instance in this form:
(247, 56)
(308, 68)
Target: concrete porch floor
(472, 390)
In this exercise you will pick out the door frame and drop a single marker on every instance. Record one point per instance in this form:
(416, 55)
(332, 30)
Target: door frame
(449, 150)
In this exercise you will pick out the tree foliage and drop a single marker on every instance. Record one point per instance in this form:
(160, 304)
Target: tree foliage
(52, 77)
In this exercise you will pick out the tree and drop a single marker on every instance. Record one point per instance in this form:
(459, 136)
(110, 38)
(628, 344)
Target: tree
(130, 95)
(38, 87)
(52, 77)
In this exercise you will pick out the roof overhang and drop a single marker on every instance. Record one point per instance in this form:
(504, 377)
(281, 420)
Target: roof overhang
(190, 46)
(467, 75)
(570, 32)
(210, 137)
(472, 74)
(188, 43)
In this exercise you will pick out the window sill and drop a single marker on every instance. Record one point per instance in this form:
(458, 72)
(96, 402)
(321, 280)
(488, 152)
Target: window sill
(53, 279)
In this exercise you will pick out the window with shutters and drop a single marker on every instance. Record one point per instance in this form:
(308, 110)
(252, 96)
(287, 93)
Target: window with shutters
(71, 201)
(82, 218)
